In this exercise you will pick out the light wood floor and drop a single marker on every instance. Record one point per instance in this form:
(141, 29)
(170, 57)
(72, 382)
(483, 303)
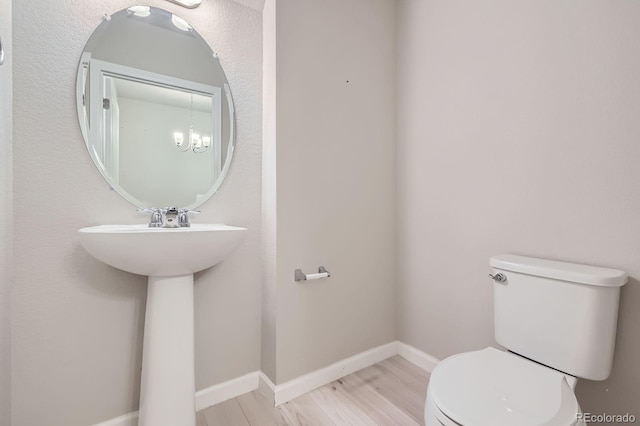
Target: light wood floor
(391, 392)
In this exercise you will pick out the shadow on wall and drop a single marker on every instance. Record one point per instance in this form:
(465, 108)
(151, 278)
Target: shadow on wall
(614, 393)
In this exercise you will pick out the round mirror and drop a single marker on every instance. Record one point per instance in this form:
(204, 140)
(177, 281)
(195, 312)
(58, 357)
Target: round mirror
(155, 109)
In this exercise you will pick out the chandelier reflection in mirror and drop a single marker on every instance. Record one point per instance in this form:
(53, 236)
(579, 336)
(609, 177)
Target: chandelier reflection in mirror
(196, 142)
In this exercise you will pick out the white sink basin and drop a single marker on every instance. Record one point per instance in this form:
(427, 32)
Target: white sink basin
(170, 257)
(161, 251)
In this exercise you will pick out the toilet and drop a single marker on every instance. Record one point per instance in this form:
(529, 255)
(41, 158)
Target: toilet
(557, 322)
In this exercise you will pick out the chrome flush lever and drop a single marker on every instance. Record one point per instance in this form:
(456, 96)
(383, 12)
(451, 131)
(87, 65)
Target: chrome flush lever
(498, 277)
(189, 4)
(1, 52)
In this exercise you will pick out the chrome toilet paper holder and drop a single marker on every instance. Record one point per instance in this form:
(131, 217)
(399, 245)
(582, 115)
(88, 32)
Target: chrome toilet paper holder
(301, 276)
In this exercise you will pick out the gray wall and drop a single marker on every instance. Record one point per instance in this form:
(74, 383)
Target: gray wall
(335, 191)
(518, 132)
(269, 186)
(6, 194)
(77, 324)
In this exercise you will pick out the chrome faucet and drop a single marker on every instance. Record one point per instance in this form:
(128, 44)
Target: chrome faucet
(169, 217)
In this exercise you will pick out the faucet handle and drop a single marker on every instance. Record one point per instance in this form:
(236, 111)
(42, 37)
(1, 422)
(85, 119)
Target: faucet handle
(156, 216)
(183, 217)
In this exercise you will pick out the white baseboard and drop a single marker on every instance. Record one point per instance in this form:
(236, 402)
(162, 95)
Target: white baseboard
(230, 389)
(204, 398)
(130, 419)
(279, 394)
(417, 357)
(303, 384)
(267, 389)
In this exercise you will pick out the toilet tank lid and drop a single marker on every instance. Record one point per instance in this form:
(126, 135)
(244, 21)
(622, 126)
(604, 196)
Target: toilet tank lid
(573, 272)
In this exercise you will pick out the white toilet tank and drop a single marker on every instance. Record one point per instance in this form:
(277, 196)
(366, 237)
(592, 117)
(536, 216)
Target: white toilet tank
(563, 315)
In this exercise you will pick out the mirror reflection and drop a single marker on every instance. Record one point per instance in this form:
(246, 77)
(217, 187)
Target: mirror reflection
(155, 109)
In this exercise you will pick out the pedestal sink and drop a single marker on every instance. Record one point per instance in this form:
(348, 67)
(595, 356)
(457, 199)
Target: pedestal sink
(170, 257)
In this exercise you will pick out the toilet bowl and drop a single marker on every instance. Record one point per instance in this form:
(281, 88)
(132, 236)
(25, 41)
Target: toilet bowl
(495, 388)
(558, 322)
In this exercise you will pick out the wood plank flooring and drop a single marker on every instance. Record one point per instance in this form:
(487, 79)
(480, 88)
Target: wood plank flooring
(391, 393)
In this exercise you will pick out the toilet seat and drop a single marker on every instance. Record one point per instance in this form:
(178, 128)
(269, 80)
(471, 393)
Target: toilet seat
(495, 388)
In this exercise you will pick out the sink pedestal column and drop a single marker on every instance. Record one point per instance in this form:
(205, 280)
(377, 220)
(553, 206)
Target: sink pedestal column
(167, 392)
